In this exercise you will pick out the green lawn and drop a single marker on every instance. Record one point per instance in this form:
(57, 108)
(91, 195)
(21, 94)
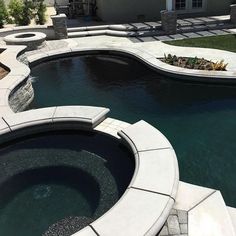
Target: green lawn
(224, 42)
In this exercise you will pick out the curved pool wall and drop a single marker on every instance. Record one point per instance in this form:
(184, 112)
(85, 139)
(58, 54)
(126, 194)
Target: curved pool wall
(151, 192)
(16, 91)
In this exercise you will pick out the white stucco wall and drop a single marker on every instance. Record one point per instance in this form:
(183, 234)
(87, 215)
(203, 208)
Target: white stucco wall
(123, 10)
(128, 10)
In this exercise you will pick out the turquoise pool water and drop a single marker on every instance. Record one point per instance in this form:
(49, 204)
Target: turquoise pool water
(44, 180)
(198, 119)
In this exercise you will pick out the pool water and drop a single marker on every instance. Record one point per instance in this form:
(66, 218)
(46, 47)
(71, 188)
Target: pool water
(198, 119)
(44, 180)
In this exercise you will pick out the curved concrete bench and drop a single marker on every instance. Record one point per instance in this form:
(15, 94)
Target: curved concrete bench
(146, 204)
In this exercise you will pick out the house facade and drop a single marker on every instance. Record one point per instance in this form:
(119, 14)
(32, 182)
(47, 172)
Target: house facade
(149, 10)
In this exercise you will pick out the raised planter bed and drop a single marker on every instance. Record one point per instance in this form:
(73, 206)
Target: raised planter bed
(194, 63)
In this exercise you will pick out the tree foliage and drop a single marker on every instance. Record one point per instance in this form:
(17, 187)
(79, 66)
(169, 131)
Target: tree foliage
(40, 17)
(3, 13)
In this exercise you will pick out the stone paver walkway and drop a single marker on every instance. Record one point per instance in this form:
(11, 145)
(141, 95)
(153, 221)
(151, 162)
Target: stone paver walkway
(187, 35)
(176, 224)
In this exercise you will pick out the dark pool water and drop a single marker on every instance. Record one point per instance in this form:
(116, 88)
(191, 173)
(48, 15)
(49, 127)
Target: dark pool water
(198, 119)
(49, 177)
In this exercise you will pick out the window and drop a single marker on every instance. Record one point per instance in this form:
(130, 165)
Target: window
(180, 4)
(189, 6)
(196, 4)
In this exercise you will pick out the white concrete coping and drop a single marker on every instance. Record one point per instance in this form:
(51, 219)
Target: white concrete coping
(136, 213)
(87, 114)
(90, 116)
(146, 204)
(143, 137)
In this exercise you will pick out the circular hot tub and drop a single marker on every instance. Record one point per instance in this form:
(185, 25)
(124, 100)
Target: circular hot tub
(75, 170)
(33, 40)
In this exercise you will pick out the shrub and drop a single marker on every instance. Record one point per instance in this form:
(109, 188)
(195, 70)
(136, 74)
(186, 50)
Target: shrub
(28, 8)
(3, 13)
(40, 17)
(21, 11)
(16, 10)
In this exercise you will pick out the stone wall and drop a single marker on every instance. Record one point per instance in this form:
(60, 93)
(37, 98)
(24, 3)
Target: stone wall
(169, 21)
(233, 13)
(60, 26)
(21, 97)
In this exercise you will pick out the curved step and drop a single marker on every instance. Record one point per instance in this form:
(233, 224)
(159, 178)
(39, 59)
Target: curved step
(210, 217)
(206, 211)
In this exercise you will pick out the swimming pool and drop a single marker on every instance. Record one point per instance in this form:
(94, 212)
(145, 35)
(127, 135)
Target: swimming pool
(198, 119)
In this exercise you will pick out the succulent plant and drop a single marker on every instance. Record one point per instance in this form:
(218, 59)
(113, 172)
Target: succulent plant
(194, 63)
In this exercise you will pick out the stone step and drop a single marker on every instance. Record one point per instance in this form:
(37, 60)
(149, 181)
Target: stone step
(126, 27)
(116, 33)
(206, 211)
(232, 213)
(211, 217)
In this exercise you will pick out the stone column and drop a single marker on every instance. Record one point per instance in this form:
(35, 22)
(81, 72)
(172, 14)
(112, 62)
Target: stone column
(233, 13)
(60, 26)
(169, 21)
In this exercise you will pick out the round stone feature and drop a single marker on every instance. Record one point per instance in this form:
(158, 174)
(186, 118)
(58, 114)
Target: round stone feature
(33, 40)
